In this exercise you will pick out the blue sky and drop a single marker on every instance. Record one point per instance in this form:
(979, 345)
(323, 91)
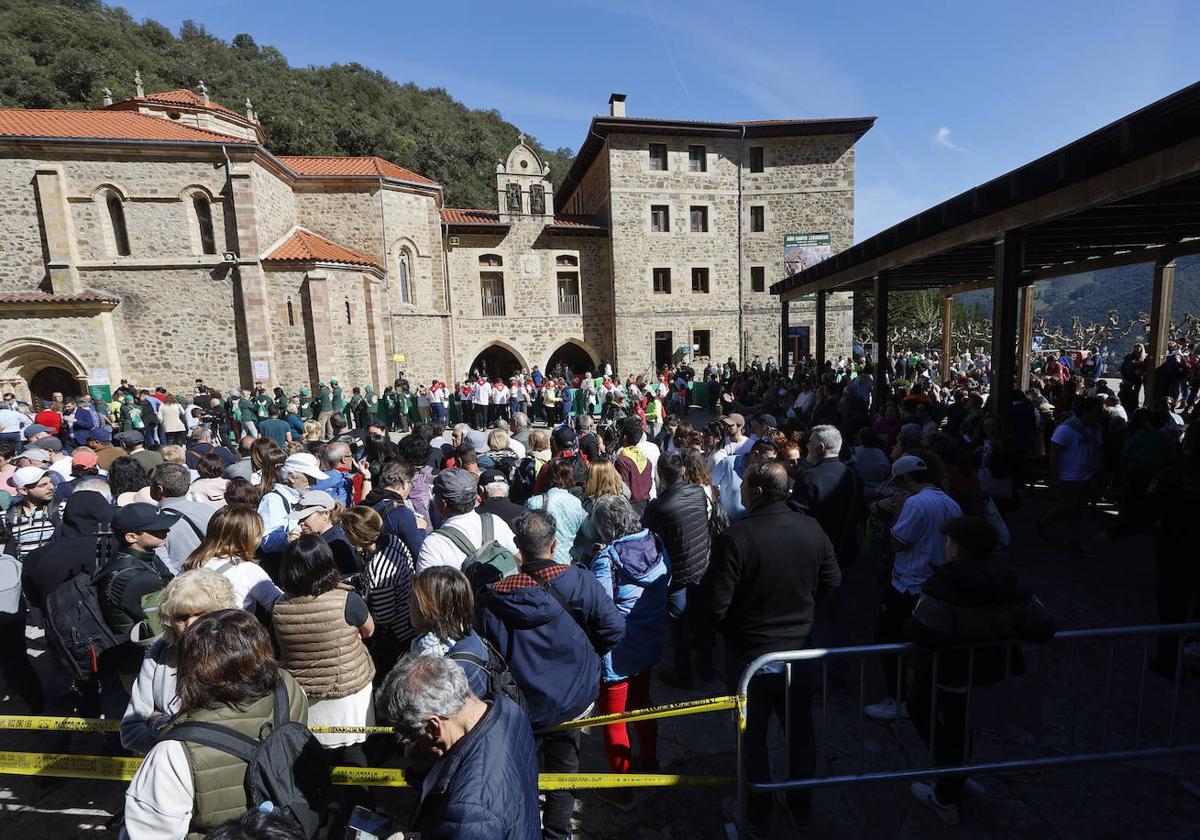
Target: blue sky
(964, 91)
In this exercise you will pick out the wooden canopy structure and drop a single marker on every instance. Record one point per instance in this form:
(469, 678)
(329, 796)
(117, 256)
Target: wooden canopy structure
(1127, 193)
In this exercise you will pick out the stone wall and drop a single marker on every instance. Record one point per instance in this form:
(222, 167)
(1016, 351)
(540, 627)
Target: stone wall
(173, 326)
(414, 224)
(347, 214)
(276, 205)
(532, 327)
(424, 341)
(22, 265)
(291, 367)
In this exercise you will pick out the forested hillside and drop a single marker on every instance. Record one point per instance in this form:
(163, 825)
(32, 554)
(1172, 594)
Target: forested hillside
(63, 53)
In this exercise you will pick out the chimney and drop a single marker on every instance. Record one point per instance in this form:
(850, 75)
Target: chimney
(616, 105)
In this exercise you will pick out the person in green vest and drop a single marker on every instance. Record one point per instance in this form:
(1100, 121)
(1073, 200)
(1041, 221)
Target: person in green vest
(305, 405)
(373, 403)
(281, 400)
(262, 403)
(249, 414)
(387, 408)
(406, 403)
(339, 404)
(356, 410)
(324, 408)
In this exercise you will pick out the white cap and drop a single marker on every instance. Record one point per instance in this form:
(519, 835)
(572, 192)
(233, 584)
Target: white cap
(305, 464)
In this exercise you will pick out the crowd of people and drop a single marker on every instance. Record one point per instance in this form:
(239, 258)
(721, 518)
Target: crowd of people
(260, 559)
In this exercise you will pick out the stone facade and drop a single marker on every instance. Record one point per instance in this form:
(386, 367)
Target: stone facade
(164, 261)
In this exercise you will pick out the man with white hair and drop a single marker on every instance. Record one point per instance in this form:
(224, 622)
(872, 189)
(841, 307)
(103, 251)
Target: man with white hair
(829, 491)
(477, 759)
(298, 472)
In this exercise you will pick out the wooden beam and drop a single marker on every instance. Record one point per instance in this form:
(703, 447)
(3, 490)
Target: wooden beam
(1004, 322)
(1160, 320)
(1025, 339)
(951, 291)
(882, 351)
(947, 329)
(785, 341)
(820, 336)
(1134, 178)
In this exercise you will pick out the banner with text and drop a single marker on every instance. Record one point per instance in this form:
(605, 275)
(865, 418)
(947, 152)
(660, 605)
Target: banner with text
(804, 250)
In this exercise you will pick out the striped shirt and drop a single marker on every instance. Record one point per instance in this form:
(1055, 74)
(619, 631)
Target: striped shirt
(26, 531)
(389, 576)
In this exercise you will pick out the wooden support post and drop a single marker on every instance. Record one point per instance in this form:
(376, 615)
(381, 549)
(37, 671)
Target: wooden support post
(882, 346)
(785, 341)
(1160, 321)
(1025, 339)
(1005, 295)
(820, 337)
(947, 329)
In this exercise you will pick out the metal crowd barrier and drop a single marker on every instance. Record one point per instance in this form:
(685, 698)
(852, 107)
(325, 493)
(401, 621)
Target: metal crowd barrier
(1128, 714)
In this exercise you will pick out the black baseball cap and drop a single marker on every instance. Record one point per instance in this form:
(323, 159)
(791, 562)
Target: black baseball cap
(492, 476)
(142, 516)
(564, 437)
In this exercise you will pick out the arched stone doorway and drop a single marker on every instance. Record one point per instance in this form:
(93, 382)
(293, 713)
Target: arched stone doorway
(53, 379)
(37, 367)
(497, 360)
(576, 358)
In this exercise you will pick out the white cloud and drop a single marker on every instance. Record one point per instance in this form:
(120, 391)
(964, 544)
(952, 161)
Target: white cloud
(942, 138)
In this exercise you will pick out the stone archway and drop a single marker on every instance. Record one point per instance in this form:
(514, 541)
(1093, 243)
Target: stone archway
(32, 364)
(575, 355)
(498, 360)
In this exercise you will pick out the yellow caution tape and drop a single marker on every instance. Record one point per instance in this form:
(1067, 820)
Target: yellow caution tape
(688, 707)
(46, 723)
(118, 768)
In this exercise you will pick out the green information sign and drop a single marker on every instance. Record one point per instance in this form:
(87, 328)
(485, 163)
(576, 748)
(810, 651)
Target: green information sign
(100, 393)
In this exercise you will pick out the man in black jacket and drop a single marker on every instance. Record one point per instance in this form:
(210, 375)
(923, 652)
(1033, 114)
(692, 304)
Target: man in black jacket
(829, 491)
(767, 573)
(970, 599)
(679, 516)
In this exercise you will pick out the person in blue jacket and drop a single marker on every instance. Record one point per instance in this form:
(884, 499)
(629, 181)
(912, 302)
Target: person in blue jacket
(632, 567)
(473, 762)
(551, 623)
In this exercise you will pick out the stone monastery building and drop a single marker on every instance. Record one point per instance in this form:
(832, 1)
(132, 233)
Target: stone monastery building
(158, 239)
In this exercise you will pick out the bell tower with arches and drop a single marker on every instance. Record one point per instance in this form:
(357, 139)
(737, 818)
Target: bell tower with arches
(523, 188)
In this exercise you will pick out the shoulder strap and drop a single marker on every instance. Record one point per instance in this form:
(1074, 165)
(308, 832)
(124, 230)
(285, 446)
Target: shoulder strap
(562, 602)
(467, 656)
(224, 567)
(458, 538)
(489, 529)
(287, 505)
(281, 703)
(217, 737)
(199, 531)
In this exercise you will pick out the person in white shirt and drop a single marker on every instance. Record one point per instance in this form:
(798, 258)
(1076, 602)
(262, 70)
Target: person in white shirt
(481, 396)
(651, 451)
(500, 396)
(1074, 460)
(228, 548)
(455, 492)
(736, 442)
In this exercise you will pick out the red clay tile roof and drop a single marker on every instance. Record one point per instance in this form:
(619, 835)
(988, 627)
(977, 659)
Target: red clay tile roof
(373, 167)
(305, 246)
(86, 296)
(459, 216)
(185, 97)
(462, 216)
(102, 125)
(565, 220)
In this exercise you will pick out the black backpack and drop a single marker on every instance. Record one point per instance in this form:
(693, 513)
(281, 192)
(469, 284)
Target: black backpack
(520, 488)
(74, 621)
(286, 766)
(500, 679)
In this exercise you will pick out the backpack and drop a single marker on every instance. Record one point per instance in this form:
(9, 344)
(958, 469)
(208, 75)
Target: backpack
(500, 679)
(74, 621)
(509, 466)
(521, 486)
(286, 766)
(340, 486)
(488, 563)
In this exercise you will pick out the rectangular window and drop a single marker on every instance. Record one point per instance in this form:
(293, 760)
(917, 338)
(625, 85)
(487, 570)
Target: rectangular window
(491, 289)
(700, 280)
(697, 159)
(758, 278)
(660, 218)
(568, 293)
(702, 342)
(756, 158)
(658, 156)
(699, 219)
(662, 281)
(758, 219)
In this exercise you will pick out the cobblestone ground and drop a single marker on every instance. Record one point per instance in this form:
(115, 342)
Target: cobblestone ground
(1143, 799)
